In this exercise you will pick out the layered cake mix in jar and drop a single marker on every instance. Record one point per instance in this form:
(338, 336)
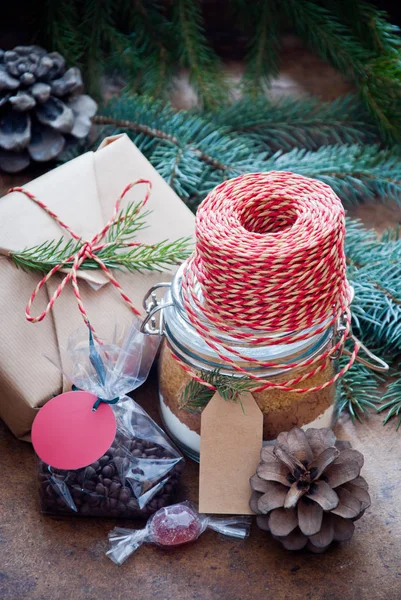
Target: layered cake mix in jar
(262, 305)
(282, 410)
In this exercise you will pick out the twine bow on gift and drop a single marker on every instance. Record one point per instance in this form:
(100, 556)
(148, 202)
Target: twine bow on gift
(88, 250)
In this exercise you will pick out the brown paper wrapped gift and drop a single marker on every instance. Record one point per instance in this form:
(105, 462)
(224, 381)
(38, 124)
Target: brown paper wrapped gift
(82, 193)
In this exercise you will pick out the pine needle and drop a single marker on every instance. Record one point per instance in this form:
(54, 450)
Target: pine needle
(358, 391)
(262, 59)
(307, 123)
(194, 153)
(143, 42)
(374, 270)
(116, 255)
(371, 58)
(392, 402)
(368, 24)
(196, 395)
(194, 52)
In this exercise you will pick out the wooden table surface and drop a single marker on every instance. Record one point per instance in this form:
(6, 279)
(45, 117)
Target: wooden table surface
(47, 558)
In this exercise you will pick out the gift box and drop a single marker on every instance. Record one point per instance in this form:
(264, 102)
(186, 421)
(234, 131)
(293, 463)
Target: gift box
(82, 193)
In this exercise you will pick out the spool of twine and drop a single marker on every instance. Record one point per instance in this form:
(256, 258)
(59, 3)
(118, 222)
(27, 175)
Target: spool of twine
(270, 263)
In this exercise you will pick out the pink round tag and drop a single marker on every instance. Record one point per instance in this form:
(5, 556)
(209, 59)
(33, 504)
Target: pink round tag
(68, 434)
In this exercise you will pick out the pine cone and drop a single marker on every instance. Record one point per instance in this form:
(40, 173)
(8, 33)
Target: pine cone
(41, 106)
(307, 489)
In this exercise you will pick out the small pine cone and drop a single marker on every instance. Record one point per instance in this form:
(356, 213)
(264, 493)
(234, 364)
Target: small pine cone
(307, 489)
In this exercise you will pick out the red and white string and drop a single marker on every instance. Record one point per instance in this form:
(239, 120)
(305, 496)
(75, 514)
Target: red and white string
(88, 249)
(269, 260)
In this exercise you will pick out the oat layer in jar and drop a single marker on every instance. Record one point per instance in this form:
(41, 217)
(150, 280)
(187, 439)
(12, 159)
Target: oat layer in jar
(281, 410)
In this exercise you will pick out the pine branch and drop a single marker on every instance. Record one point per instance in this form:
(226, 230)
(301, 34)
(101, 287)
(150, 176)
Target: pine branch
(128, 223)
(381, 92)
(392, 402)
(146, 55)
(96, 30)
(144, 40)
(118, 252)
(262, 58)
(374, 271)
(125, 61)
(368, 24)
(356, 173)
(357, 391)
(158, 51)
(196, 395)
(194, 154)
(185, 147)
(194, 52)
(44, 257)
(325, 34)
(378, 77)
(303, 122)
(61, 24)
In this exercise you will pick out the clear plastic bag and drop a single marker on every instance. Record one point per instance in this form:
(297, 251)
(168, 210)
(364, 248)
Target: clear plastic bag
(139, 472)
(173, 526)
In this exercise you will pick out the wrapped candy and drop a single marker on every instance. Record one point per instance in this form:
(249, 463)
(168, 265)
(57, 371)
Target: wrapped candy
(173, 526)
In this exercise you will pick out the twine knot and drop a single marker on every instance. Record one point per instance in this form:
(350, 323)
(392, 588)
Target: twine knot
(88, 249)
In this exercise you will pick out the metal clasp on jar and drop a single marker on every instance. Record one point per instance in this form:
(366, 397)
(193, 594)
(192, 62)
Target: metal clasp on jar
(338, 332)
(340, 326)
(154, 306)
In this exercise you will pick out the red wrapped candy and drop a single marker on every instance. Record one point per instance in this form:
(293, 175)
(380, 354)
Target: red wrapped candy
(178, 524)
(173, 526)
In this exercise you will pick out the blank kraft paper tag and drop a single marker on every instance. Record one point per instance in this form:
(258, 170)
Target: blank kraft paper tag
(231, 441)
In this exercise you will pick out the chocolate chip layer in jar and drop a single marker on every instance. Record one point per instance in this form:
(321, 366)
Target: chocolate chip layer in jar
(281, 409)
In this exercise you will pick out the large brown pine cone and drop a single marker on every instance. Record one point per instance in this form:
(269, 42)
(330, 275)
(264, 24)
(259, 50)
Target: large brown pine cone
(307, 489)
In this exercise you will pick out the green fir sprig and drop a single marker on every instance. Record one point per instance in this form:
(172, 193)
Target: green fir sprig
(299, 122)
(368, 24)
(374, 270)
(196, 395)
(262, 52)
(392, 402)
(194, 52)
(144, 58)
(195, 152)
(358, 391)
(117, 253)
(146, 42)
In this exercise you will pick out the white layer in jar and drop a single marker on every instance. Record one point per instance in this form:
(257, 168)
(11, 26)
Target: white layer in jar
(281, 410)
(190, 439)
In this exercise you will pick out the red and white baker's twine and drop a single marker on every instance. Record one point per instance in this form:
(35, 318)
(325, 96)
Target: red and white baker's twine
(270, 258)
(87, 250)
